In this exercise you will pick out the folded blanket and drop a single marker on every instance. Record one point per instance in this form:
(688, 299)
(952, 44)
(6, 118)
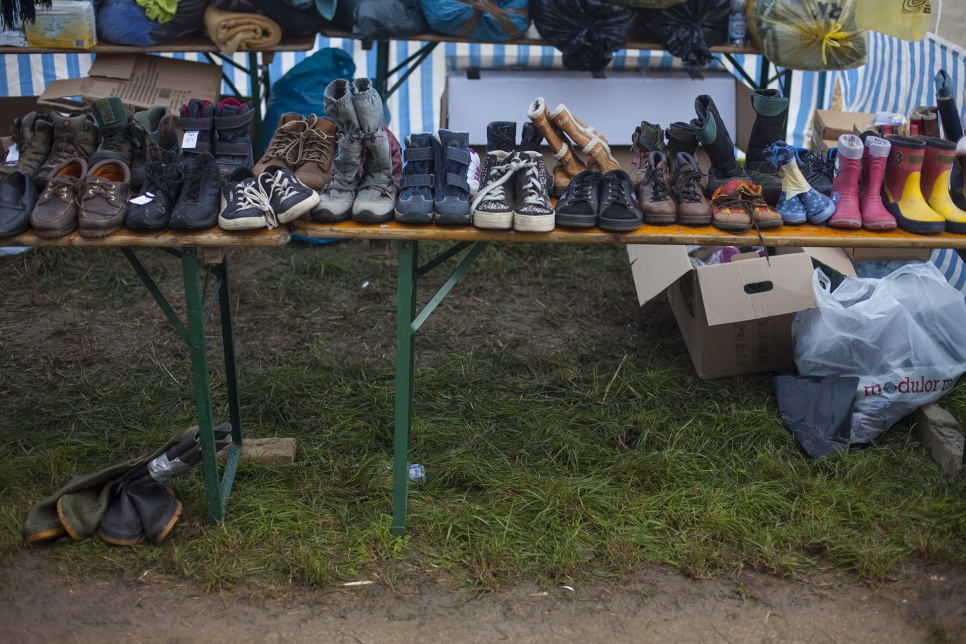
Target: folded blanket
(232, 31)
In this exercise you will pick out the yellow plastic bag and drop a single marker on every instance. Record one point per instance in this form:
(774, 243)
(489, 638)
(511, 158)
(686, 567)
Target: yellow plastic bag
(905, 19)
(810, 35)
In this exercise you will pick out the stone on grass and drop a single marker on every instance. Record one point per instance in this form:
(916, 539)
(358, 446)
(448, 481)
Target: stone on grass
(266, 451)
(942, 436)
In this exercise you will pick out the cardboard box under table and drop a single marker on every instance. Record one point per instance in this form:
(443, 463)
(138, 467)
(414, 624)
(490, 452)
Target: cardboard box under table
(735, 318)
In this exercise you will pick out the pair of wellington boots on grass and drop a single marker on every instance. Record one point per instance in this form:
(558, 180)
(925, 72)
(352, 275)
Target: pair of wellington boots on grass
(563, 133)
(362, 186)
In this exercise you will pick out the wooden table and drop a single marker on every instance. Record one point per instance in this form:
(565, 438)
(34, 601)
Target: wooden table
(202, 250)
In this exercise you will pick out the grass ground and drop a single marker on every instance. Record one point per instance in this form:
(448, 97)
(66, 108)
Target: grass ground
(563, 430)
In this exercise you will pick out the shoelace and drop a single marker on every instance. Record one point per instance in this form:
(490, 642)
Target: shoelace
(67, 147)
(535, 194)
(614, 193)
(659, 183)
(193, 178)
(498, 176)
(119, 140)
(689, 180)
(583, 191)
(316, 146)
(254, 196)
(164, 178)
(819, 165)
(285, 144)
(101, 187)
(280, 183)
(63, 186)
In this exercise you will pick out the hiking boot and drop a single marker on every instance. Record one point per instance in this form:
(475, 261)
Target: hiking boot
(233, 144)
(492, 207)
(289, 197)
(680, 138)
(763, 215)
(197, 121)
(817, 169)
(647, 138)
(55, 214)
(875, 215)
(103, 204)
(114, 121)
(532, 210)
(285, 147)
(200, 199)
(924, 122)
(798, 201)
(728, 208)
(618, 212)
(415, 202)
(244, 203)
(936, 166)
(710, 130)
(693, 208)
(586, 138)
(75, 135)
(163, 179)
(18, 196)
(155, 134)
(313, 166)
(452, 197)
(654, 195)
(903, 190)
(337, 197)
(568, 164)
(33, 135)
(578, 206)
(845, 185)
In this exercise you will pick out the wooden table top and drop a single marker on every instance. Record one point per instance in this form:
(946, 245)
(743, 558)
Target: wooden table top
(304, 43)
(804, 235)
(125, 238)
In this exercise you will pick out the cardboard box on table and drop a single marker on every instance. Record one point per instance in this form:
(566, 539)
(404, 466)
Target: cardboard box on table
(736, 318)
(829, 125)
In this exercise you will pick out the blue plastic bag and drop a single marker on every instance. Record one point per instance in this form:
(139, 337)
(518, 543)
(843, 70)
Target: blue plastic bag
(473, 21)
(300, 89)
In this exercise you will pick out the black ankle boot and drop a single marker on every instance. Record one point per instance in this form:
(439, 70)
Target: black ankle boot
(771, 115)
(501, 135)
(714, 138)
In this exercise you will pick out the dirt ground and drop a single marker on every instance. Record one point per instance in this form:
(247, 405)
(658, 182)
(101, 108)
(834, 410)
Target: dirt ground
(654, 606)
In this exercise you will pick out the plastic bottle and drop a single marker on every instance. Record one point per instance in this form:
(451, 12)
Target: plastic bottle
(417, 473)
(737, 24)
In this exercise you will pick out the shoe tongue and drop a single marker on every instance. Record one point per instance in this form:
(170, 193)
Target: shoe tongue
(454, 139)
(111, 114)
(501, 135)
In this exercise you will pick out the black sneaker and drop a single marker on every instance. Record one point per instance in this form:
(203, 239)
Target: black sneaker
(198, 204)
(577, 207)
(162, 186)
(619, 212)
(244, 204)
(817, 169)
(290, 197)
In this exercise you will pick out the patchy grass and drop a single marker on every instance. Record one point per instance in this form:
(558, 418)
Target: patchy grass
(564, 433)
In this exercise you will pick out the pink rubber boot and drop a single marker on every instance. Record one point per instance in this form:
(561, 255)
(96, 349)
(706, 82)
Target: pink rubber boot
(845, 186)
(874, 213)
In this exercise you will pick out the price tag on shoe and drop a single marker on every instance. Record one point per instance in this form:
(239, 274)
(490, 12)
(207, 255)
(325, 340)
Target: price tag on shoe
(140, 200)
(190, 140)
(13, 155)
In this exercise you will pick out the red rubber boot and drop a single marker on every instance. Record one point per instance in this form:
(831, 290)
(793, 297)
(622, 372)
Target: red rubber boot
(845, 186)
(874, 213)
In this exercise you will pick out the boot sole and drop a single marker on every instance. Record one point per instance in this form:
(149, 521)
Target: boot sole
(167, 528)
(367, 217)
(618, 227)
(576, 221)
(298, 209)
(493, 220)
(454, 220)
(51, 234)
(823, 216)
(98, 233)
(694, 221)
(958, 227)
(415, 218)
(660, 219)
(914, 225)
(731, 228)
(120, 542)
(533, 223)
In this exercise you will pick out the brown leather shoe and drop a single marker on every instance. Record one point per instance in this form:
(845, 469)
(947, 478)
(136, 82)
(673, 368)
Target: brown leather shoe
(728, 207)
(103, 204)
(693, 206)
(283, 150)
(654, 195)
(762, 214)
(314, 167)
(55, 214)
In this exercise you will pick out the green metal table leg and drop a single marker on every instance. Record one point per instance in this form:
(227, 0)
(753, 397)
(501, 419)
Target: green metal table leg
(255, 83)
(231, 380)
(199, 364)
(408, 258)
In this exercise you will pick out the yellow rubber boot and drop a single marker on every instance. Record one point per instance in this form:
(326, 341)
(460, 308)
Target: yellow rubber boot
(936, 167)
(903, 194)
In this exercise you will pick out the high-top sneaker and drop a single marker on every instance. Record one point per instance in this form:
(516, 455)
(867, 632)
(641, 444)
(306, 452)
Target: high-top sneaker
(817, 169)
(935, 183)
(903, 192)
(532, 211)
(197, 121)
(415, 202)
(654, 196)
(284, 148)
(714, 138)
(924, 121)
(953, 129)
(34, 136)
(647, 138)
(452, 198)
(114, 120)
(530, 141)
(376, 199)
(163, 179)
(568, 164)
(693, 207)
(798, 201)
(578, 206)
(875, 216)
(337, 197)
(155, 133)
(76, 135)
(586, 138)
(680, 139)
(233, 144)
(492, 207)
(771, 114)
(845, 186)
(313, 167)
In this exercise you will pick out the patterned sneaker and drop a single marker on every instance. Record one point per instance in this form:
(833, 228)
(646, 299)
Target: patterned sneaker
(492, 207)
(532, 211)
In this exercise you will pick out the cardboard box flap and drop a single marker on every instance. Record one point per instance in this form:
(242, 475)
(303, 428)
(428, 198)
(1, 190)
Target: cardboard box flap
(756, 288)
(116, 66)
(655, 268)
(835, 258)
(65, 95)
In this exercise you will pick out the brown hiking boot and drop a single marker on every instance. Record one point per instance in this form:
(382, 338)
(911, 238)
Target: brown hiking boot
(76, 135)
(286, 144)
(103, 205)
(647, 138)
(693, 206)
(155, 133)
(114, 120)
(55, 214)
(314, 167)
(762, 214)
(728, 210)
(34, 136)
(654, 195)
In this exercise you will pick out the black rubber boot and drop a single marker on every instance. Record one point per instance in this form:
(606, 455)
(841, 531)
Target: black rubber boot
(155, 505)
(121, 523)
(771, 115)
(714, 138)
(501, 135)
(953, 130)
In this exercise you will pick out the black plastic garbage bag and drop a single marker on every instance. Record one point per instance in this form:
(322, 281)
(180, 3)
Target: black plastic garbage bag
(817, 410)
(124, 22)
(587, 32)
(381, 19)
(688, 30)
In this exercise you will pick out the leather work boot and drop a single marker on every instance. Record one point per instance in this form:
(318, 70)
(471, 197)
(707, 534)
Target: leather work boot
(200, 199)
(55, 214)
(568, 164)
(578, 206)
(75, 135)
(771, 115)
(714, 138)
(114, 121)
(728, 208)
(337, 197)
(618, 211)
(875, 216)
(654, 195)
(586, 139)
(233, 144)
(313, 166)
(903, 192)
(163, 179)
(680, 138)
(940, 156)
(415, 202)
(845, 186)
(197, 121)
(924, 121)
(953, 129)
(34, 136)
(452, 198)
(647, 138)
(692, 206)
(155, 133)
(18, 196)
(103, 204)
(286, 144)
(532, 210)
